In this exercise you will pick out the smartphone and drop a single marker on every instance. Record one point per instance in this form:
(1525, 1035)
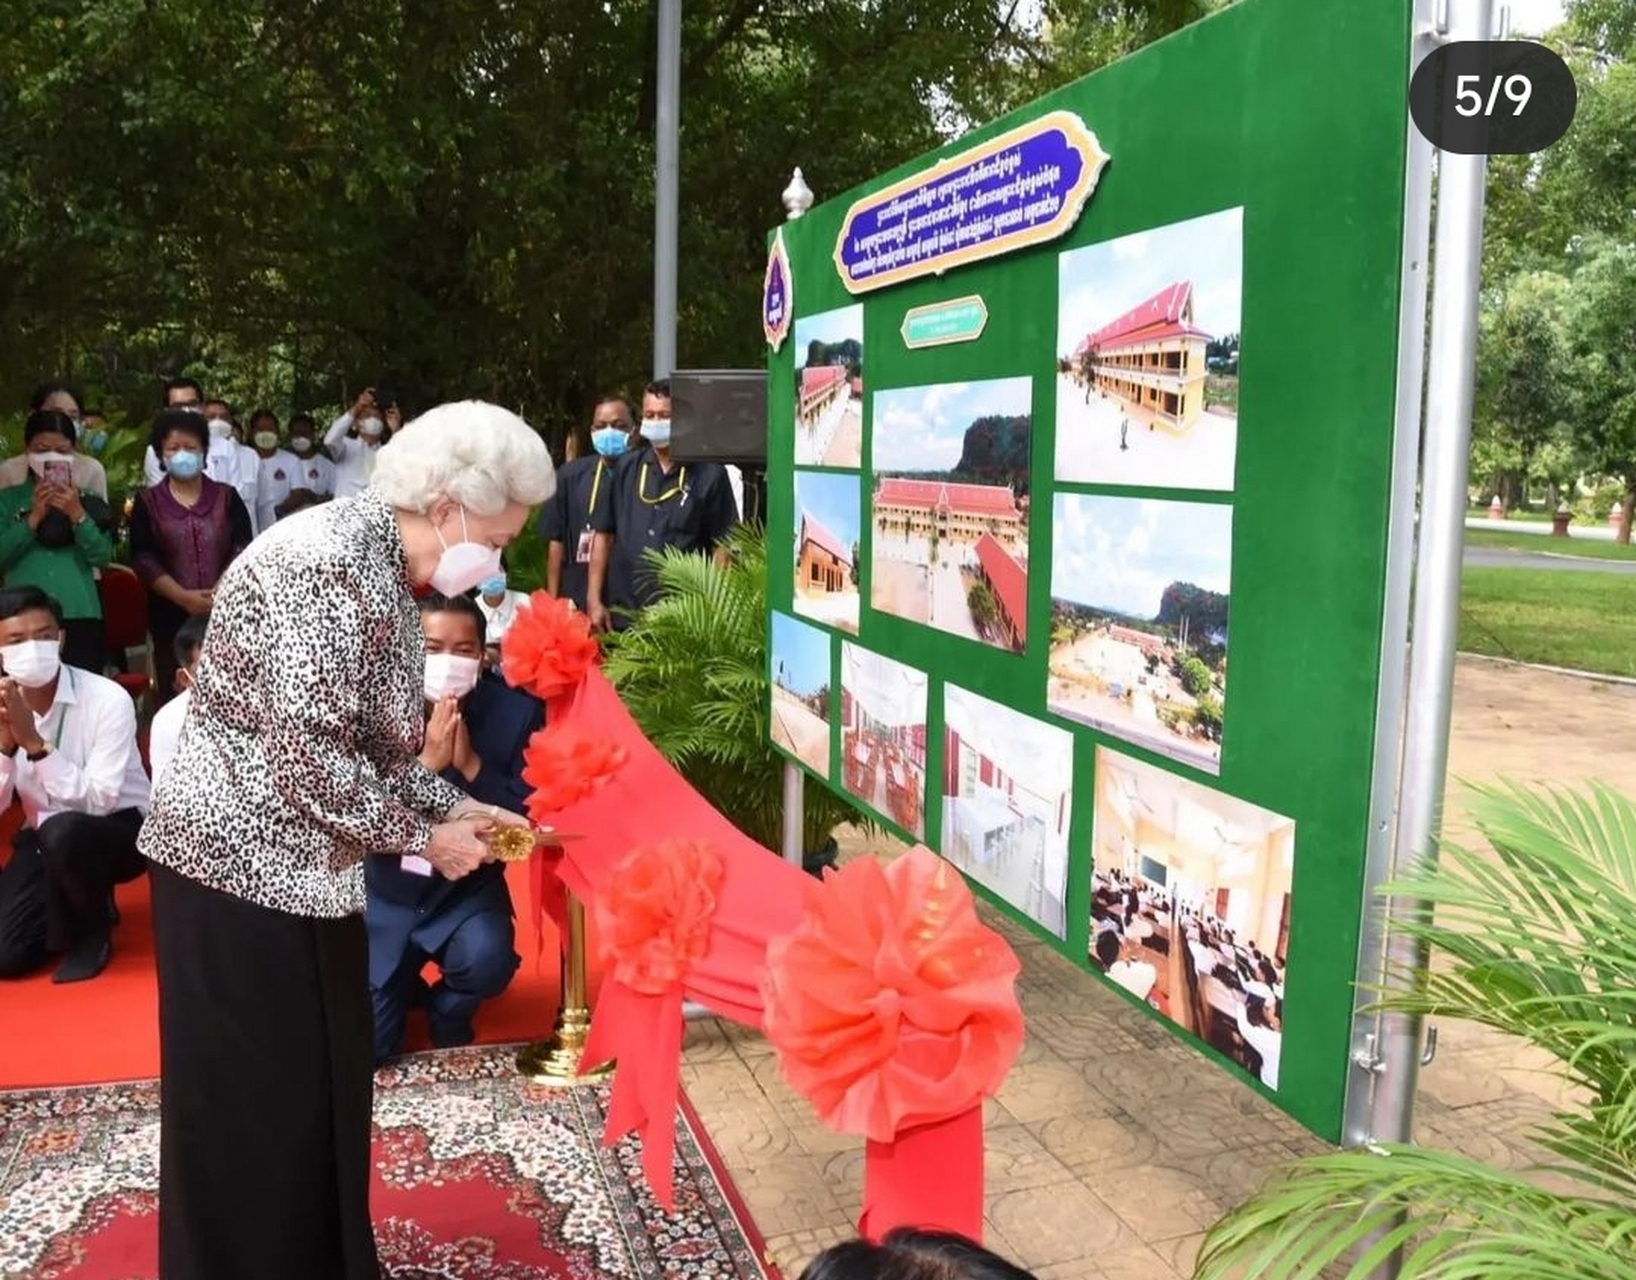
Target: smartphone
(60, 474)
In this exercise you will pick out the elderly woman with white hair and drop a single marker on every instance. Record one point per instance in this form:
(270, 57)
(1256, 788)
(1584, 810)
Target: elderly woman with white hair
(297, 761)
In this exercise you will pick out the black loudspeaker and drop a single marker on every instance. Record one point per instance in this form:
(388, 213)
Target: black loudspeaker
(719, 415)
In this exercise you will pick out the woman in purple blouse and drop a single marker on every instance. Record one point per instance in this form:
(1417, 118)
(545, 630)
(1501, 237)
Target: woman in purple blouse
(185, 531)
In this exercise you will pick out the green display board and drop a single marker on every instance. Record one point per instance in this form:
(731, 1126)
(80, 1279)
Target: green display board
(1023, 508)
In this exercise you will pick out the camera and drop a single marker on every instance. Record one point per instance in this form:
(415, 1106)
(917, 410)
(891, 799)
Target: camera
(385, 396)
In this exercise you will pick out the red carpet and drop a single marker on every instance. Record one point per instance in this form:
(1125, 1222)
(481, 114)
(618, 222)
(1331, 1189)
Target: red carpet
(478, 1176)
(108, 1028)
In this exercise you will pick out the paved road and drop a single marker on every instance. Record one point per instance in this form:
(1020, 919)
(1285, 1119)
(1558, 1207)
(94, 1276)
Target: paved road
(1499, 558)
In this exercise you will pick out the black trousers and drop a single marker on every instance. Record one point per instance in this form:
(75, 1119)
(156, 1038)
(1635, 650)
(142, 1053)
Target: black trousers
(54, 892)
(266, 1082)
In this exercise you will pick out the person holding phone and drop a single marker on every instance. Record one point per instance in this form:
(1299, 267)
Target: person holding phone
(55, 536)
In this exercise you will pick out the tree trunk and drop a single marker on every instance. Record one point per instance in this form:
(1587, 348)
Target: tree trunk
(1623, 536)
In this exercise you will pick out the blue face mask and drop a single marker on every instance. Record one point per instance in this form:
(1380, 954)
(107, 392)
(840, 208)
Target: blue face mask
(494, 586)
(610, 442)
(184, 464)
(656, 431)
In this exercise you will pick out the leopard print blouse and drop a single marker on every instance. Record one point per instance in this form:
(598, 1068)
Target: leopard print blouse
(299, 753)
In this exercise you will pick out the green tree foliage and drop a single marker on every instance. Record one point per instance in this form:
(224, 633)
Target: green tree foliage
(1205, 612)
(294, 200)
(1521, 401)
(1602, 336)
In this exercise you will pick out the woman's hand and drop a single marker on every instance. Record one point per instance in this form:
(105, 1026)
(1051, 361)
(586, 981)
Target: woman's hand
(196, 601)
(42, 505)
(438, 752)
(455, 850)
(66, 501)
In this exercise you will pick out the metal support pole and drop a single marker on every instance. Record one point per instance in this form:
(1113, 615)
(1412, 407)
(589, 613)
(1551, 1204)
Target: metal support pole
(1451, 372)
(557, 1061)
(795, 783)
(666, 185)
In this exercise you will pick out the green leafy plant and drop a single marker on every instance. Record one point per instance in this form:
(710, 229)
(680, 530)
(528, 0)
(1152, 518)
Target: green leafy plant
(693, 670)
(1535, 937)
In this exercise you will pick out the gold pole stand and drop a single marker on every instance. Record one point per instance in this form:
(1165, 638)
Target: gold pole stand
(556, 1061)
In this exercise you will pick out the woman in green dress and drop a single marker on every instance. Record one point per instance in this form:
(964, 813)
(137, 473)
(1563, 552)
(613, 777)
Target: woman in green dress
(54, 536)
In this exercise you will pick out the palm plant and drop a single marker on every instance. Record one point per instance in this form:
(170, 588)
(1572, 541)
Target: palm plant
(1536, 938)
(692, 669)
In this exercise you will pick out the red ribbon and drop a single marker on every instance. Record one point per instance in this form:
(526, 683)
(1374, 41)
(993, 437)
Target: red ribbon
(548, 898)
(643, 1034)
(930, 1176)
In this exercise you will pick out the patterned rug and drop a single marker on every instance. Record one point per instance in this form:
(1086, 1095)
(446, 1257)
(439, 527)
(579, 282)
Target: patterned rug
(478, 1176)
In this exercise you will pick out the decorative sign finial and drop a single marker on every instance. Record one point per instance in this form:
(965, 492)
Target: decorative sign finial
(797, 197)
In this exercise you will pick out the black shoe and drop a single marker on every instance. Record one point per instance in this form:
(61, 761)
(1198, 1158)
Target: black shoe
(85, 959)
(451, 1033)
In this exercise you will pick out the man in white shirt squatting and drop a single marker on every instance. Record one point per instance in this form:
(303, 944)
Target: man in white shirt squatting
(68, 751)
(165, 732)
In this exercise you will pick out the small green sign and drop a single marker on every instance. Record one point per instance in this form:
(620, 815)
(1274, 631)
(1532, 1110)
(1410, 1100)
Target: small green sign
(941, 323)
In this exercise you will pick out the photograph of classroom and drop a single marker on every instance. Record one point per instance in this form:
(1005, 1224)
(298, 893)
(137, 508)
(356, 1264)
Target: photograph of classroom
(829, 388)
(949, 508)
(883, 736)
(828, 517)
(1190, 906)
(1007, 799)
(1147, 370)
(1140, 590)
(801, 675)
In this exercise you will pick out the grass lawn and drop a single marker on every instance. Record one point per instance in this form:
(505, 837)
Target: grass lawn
(1558, 618)
(1547, 545)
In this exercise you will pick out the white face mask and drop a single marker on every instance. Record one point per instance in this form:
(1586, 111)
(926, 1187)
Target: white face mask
(301, 444)
(449, 673)
(462, 566)
(371, 427)
(266, 439)
(220, 428)
(37, 461)
(32, 663)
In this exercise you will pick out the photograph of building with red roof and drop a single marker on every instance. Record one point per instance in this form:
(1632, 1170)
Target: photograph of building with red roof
(828, 517)
(949, 508)
(1147, 365)
(829, 388)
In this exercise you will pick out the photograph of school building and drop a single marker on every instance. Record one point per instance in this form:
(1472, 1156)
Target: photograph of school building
(1147, 378)
(829, 388)
(1007, 793)
(800, 662)
(949, 508)
(1140, 590)
(828, 518)
(1190, 906)
(883, 736)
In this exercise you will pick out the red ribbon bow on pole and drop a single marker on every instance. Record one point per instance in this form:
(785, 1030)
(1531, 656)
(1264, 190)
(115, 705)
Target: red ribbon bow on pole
(893, 1010)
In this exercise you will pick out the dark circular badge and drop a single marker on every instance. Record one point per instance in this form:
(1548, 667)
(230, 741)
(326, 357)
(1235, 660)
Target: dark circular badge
(1493, 97)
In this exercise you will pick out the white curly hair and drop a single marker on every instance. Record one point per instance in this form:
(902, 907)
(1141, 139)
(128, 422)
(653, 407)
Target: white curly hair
(476, 453)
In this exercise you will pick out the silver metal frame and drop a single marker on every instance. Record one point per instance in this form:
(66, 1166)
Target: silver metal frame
(1422, 599)
(666, 183)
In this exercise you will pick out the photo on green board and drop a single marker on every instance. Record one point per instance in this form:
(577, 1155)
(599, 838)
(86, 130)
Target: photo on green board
(949, 485)
(1147, 364)
(799, 658)
(1008, 782)
(1190, 906)
(883, 736)
(828, 518)
(1139, 596)
(829, 378)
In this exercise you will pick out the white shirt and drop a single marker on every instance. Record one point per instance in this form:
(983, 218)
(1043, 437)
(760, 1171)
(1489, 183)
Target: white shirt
(94, 766)
(165, 733)
(248, 483)
(1266, 1042)
(279, 474)
(354, 460)
(500, 617)
(317, 473)
(221, 464)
